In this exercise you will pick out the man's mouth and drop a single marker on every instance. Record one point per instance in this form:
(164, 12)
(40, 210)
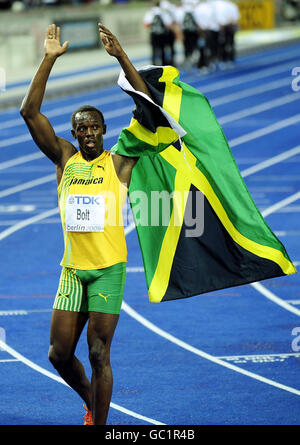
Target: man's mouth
(91, 144)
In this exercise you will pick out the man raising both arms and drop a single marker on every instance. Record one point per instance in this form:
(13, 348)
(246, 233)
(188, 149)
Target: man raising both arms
(94, 262)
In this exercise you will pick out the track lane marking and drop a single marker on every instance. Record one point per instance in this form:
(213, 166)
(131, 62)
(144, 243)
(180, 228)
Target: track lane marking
(152, 327)
(55, 377)
(146, 323)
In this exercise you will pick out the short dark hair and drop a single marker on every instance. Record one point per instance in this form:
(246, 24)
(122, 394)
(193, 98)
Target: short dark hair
(85, 108)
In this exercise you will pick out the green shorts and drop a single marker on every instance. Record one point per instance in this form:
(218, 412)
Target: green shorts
(98, 290)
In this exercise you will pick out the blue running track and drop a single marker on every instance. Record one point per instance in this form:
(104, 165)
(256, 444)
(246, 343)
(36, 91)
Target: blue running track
(230, 357)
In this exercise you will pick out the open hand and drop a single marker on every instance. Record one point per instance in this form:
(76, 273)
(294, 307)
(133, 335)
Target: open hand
(52, 42)
(110, 42)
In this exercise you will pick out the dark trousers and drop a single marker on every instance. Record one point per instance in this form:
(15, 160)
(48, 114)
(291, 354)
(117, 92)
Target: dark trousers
(170, 50)
(190, 39)
(212, 44)
(227, 46)
(204, 53)
(159, 49)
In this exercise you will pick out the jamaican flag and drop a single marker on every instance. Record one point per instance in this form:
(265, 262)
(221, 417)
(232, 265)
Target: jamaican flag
(204, 232)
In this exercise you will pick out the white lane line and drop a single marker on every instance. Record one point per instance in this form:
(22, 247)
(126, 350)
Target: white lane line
(14, 312)
(296, 302)
(58, 129)
(283, 203)
(258, 286)
(52, 376)
(222, 120)
(126, 110)
(11, 222)
(249, 111)
(265, 130)
(152, 327)
(245, 138)
(60, 111)
(271, 161)
(239, 80)
(247, 172)
(29, 363)
(249, 92)
(290, 209)
(27, 185)
(135, 269)
(26, 222)
(23, 312)
(239, 370)
(272, 297)
(228, 98)
(21, 160)
(287, 233)
(115, 97)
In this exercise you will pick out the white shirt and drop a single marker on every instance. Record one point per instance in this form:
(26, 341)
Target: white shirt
(226, 12)
(181, 10)
(205, 17)
(169, 8)
(165, 16)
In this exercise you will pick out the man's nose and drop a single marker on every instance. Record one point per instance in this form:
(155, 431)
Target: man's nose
(90, 131)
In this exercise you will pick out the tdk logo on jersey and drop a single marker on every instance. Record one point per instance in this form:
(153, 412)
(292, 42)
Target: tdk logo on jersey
(85, 200)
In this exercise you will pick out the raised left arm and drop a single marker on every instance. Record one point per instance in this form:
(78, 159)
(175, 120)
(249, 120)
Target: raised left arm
(113, 48)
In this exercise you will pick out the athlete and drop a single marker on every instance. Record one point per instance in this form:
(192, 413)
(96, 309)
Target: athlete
(92, 185)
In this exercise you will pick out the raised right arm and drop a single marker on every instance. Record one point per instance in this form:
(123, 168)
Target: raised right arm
(55, 148)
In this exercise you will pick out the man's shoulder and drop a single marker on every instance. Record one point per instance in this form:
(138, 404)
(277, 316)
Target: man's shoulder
(120, 161)
(68, 150)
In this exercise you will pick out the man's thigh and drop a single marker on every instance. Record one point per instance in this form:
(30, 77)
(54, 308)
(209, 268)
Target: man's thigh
(105, 291)
(71, 292)
(65, 330)
(101, 327)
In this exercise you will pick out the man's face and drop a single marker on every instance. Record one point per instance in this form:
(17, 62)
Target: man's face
(89, 130)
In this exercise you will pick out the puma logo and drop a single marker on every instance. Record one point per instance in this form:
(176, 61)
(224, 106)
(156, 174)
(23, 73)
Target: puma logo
(103, 296)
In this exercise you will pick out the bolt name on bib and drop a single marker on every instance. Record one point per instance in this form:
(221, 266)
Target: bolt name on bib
(85, 213)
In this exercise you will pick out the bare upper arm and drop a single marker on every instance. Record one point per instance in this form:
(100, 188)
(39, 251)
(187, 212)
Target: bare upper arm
(57, 149)
(42, 132)
(123, 166)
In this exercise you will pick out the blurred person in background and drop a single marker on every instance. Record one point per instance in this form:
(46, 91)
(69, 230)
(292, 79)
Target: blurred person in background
(208, 36)
(186, 20)
(172, 32)
(290, 10)
(159, 22)
(227, 16)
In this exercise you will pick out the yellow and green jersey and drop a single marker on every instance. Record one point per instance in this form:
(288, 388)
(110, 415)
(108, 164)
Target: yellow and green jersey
(91, 198)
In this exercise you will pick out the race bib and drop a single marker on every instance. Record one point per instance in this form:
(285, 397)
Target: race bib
(85, 213)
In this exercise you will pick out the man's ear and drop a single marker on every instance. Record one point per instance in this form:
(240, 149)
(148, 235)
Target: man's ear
(73, 134)
(104, 129)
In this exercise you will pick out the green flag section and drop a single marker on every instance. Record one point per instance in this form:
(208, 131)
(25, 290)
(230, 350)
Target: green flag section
(198, 227)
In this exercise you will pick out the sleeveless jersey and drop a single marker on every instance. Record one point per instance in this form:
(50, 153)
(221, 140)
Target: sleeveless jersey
(91, 198)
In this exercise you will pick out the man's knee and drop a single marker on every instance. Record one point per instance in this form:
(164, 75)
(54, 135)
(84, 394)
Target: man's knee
(59, 359)
(98, 355)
